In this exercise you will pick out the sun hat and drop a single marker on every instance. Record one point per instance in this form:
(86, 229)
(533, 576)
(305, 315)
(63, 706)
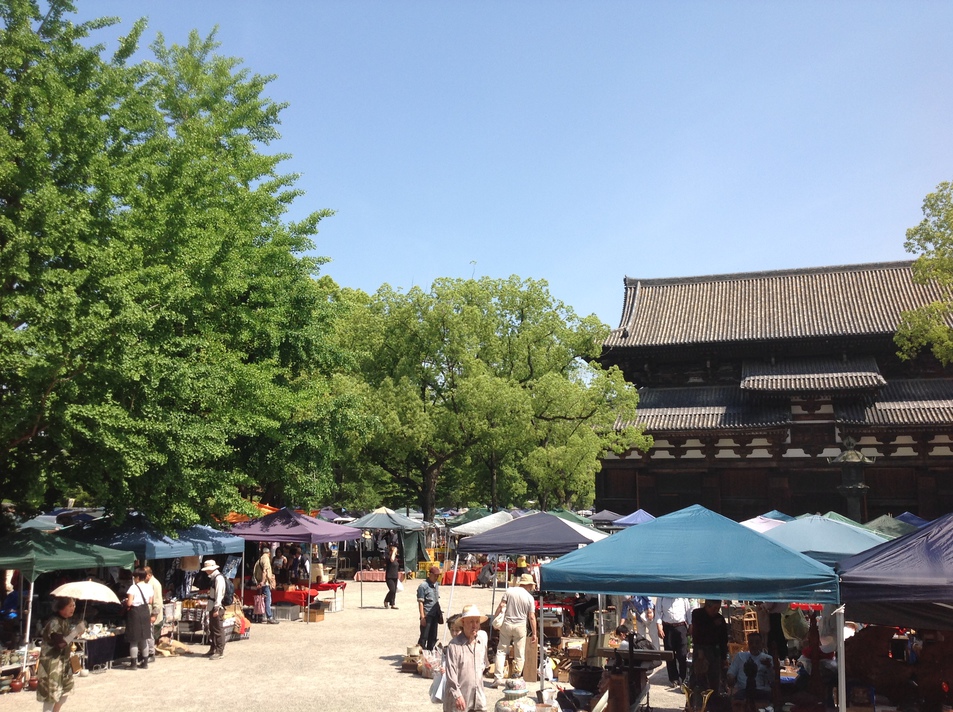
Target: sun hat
(472, 611)
(209, 565)
(526, 580)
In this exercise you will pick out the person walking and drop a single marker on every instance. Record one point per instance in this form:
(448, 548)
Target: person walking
(157, 612)
(465, 663)
(520, 607)
(709, 633)
(264, 576)
(216, 611)
(672, 616)
(54, 672)
(428, 605)
(391, 576)
(139, 619)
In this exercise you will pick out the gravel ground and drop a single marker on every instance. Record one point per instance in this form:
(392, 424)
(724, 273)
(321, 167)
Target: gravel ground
(349, 661)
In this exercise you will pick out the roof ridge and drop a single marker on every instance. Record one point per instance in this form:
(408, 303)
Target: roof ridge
(767, 274)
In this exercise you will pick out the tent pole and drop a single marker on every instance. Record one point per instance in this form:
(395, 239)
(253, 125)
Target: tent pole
(307, 610)
(360, 566)
(453, 585)
(841, 661)
(540, 642)
(29, 619)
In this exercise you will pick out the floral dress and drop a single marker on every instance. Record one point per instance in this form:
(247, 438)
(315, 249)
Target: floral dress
(54, 671)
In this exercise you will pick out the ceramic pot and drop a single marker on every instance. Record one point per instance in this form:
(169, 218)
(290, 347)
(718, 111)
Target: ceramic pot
(585, 677)
(16, 685)
(34, 683)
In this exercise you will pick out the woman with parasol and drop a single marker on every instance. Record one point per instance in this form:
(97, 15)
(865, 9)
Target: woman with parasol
(54, 671)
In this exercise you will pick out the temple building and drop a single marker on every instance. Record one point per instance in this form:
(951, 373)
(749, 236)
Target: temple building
(781, 390)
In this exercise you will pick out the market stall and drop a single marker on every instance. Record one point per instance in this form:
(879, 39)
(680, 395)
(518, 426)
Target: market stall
(288, 526)
(34, 553)
(411, 533)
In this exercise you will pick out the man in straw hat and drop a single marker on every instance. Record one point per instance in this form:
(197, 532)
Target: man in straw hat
(464, 665)
(216, 611)
(520, 609)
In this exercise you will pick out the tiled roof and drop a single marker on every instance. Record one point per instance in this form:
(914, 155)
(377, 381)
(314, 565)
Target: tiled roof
(914, 402)
(862, 299)
(812, 374)
(706, 408)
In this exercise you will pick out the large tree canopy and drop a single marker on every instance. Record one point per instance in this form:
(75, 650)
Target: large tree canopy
(163, 342)
(932, 240)
(484, 393)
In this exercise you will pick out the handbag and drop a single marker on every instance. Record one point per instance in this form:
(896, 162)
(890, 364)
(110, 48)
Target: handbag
(75, 663)
(437, 687)
(498, 618)
(259, 604)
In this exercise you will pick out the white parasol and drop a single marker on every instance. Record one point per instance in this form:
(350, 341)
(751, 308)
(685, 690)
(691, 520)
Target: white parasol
(87, 591)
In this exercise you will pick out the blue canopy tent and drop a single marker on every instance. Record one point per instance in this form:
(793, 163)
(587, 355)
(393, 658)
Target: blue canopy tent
(826, 540)
(780, 516)
(910, 518)
(639, 516)
(717, 558)
(138, 535)
(907, 581)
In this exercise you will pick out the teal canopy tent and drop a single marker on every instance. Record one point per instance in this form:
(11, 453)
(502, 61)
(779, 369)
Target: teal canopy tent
(695, 553)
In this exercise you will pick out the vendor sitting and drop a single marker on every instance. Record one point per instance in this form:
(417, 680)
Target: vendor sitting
(751, 672)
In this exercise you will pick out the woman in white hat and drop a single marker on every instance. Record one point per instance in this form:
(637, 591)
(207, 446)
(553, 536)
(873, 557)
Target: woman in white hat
(465, 662)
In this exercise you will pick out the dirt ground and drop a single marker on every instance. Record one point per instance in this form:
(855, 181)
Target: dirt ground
(349, 661)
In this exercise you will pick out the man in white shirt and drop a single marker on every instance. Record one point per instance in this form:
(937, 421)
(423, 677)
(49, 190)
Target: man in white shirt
(752, 671)
(520, 609)
(672, 616)
(216, 611)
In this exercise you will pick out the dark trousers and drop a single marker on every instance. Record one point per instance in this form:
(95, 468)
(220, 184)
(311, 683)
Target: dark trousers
(216, 632)
(676, 640)
(391, 598)
(428, 631)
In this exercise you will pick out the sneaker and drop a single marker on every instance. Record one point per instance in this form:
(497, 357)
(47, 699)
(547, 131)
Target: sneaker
(217, 656)
(394, 608)
(152, 658)
(144, 666)
(495, 684)
(273, 621)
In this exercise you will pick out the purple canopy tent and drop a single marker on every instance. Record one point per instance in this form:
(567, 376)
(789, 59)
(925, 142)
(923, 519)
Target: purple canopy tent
(286, 525)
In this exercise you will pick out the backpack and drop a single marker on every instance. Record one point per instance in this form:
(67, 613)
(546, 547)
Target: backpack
(229, 597)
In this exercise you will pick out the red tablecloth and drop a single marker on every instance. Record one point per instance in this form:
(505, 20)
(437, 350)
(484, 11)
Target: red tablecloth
(460, 578)
(299, 598)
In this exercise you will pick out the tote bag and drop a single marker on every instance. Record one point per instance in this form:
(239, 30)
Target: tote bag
(498, 618)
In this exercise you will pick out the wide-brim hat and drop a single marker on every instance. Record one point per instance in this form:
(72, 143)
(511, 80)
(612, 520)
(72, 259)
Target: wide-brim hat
(472, 611)
(210, 566)
(526, 580)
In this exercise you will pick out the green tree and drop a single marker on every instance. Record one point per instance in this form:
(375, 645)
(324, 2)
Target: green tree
(932, 240)
(164, 343)
(482, 390)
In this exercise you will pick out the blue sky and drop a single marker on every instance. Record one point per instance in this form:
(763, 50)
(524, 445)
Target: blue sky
(582, 142)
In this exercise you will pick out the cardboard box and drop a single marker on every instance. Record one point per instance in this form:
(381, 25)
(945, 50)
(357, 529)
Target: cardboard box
(314, 616)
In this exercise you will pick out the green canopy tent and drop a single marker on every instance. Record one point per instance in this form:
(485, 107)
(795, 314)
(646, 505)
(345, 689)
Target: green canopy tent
(34, 553)
(411, 534)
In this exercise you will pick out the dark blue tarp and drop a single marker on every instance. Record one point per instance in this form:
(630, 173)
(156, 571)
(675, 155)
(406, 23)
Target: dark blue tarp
(909, 518)
(138, 535)
(289, 526)
(914, 567)
(826, 540)
(693, 553)
(539, 534)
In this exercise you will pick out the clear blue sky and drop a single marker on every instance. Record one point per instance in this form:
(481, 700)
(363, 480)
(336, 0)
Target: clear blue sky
(580, 142)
